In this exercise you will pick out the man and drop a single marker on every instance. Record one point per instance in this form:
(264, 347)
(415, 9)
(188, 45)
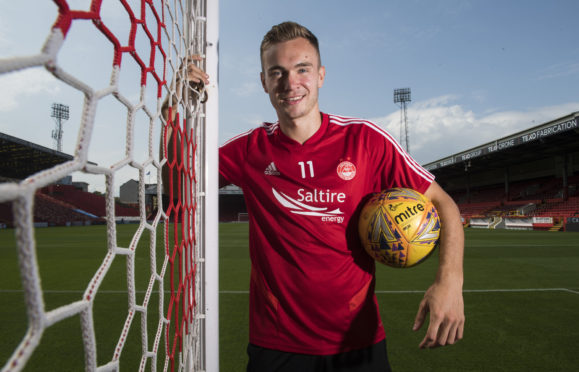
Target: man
(312, 302)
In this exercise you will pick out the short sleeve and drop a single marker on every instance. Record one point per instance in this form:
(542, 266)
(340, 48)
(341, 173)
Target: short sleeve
(395, 167)
(232, 157)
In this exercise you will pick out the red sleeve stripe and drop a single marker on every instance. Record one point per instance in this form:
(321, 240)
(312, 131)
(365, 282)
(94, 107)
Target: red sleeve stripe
(344, 121)
(270, 128)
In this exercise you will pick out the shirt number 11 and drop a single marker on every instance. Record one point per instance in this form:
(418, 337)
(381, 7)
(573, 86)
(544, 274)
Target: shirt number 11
(303, 168)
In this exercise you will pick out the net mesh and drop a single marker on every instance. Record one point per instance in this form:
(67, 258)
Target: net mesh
(157, 36)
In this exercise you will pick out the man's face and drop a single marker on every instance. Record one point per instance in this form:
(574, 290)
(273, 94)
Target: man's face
(292, 76)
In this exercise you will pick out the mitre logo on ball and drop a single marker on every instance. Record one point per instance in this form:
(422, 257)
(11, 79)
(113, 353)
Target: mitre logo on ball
(399, 227)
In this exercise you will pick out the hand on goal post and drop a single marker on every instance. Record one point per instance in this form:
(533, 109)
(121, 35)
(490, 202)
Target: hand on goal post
(196, 80)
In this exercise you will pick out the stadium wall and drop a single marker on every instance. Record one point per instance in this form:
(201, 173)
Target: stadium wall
(230, 205)
(572, 224)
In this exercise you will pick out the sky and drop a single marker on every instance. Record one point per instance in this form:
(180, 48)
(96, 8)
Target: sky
(478, 70)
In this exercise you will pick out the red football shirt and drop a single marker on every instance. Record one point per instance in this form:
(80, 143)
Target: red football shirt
(312, 284)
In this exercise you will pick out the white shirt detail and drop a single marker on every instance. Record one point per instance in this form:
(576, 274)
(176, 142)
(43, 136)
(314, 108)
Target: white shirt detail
(271, 170)
(301, 208)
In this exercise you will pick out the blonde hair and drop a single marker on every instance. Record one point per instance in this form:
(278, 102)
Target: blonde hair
(287, 31)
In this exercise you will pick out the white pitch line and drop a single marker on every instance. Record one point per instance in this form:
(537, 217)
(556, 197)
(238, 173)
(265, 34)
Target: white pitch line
(58, 291)
(570, 290)
(506, 290)
(573, 245)
(498, 290)
(521, 290)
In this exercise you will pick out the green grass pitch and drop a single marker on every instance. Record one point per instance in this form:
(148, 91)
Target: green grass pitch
(521, 301)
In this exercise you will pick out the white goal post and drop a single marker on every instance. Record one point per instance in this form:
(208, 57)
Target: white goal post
(186, 308)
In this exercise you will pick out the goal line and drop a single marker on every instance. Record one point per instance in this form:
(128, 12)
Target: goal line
(493, 290)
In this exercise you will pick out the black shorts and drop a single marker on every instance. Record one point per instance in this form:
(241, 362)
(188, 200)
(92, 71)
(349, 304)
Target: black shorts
(371, 359)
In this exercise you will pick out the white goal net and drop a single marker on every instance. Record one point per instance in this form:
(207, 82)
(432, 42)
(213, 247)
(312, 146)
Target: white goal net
(147, 297)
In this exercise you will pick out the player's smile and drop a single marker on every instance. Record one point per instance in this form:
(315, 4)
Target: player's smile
(294, 100)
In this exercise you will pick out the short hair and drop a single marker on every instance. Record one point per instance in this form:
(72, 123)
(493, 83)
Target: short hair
(287, 31)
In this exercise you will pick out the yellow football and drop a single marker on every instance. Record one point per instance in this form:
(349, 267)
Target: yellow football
(399, 227)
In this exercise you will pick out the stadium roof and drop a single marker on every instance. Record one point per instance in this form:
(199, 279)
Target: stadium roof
(554, 138)
(20, 159)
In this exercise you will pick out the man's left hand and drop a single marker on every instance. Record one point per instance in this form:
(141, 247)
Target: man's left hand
(445, 304)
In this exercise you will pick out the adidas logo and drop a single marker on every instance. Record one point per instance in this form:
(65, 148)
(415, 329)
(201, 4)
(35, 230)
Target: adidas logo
(271, 170)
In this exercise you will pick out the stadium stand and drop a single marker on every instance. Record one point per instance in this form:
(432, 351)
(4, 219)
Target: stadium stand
(469, 210)
(65, 205)
(54, 205)
(558, 208)
(54, 212)
(93, 204)
(532, 176)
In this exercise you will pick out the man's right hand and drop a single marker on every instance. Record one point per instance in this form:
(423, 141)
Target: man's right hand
(195, 78)
(194, 73)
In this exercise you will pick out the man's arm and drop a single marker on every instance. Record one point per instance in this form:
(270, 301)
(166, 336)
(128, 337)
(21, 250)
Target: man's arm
(194, 75)
(444, 297)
